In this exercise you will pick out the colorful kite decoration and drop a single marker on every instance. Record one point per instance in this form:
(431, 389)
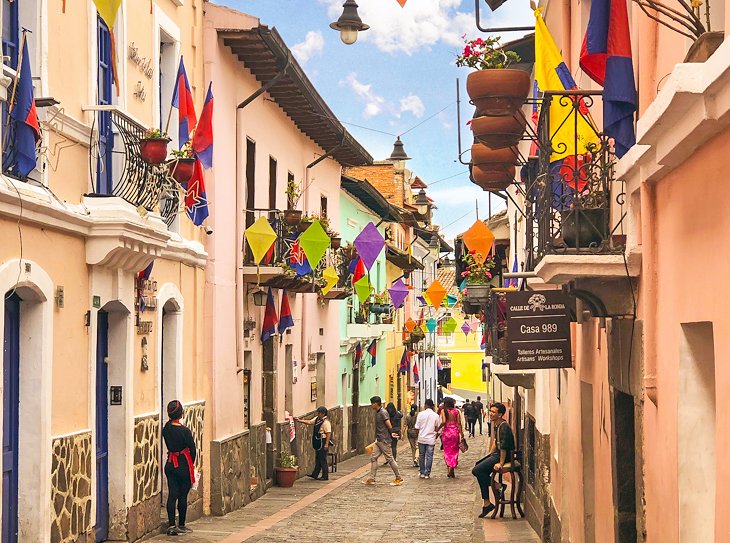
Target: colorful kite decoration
(410, 325)
(431, 325)
(402, 3)
(449, 326)
(331, 278)
(435, 293)
(421, 300)
(363, 288)
(369, 243)
(466, 328)
(314, 242)
(479, 238)
(260, 237)
(398, 293)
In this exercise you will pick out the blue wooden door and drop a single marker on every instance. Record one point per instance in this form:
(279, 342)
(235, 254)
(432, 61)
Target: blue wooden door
(104, 184)
(10, 44)
(11, 397)
(102, 427)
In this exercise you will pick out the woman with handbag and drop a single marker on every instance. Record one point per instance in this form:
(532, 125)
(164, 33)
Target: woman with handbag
(412, 432)
(452, 435)
(180, 467)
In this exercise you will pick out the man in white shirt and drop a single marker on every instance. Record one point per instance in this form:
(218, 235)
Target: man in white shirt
(426, 423)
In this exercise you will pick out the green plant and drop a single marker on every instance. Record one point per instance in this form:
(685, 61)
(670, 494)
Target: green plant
(381, 297)
(475, 273)
(486, 54)
(323, 220)
(287, 460)
(153, 133)
(293, 193)
(185, 152)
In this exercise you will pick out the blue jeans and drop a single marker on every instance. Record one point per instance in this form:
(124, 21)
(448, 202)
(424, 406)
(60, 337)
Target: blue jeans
(425, 458)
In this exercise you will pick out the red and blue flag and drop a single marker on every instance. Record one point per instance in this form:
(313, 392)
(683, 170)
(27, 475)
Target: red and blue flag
(404, 361)
(286, 320)
(358, 355)
(268, 329)
(416, 376)
(203, 137)
(25, 121)
(196, 200)
(182, 99)
(373, 351)
(606, 58)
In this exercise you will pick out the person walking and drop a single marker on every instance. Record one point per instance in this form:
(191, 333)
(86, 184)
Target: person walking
(321, 436)
(470, 412)
(409, 423)
(452, 434)
(396, 418)
(426, 426)
(179, 468)
(502, 445)
(479, 408)
(384, 435)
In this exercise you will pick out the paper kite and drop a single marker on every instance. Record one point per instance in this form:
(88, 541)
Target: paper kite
(410, 325)
(260, 237)
(431, 324)
(466, 328)
(398, 293)
(331, 278)
(363, 288)
(435, 293)
(314, 242)
(479, 238)
(449, 326)
(369, 243)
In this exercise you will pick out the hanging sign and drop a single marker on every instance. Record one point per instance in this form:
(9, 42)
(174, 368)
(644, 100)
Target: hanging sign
(538, 330)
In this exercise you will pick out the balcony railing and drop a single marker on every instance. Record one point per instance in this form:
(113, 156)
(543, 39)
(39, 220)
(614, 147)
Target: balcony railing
(142, 185)
(570, 191)
(495, 322)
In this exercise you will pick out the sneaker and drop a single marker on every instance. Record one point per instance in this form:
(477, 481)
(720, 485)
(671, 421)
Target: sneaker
(396, 482)
(172, 530)
(426, 476)
(184, 529)
(369, 481)
(421, 476)
(486, 510)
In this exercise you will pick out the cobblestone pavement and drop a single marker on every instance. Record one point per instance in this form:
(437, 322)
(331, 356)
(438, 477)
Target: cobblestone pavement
(438, 510)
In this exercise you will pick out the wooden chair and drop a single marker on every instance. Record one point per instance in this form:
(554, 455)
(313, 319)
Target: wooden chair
(332, 458)
(514, 468)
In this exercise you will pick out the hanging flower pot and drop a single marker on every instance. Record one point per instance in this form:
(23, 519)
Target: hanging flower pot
(498, 92)
(498, 132)
(154, 150)
(478, 294)
(292, 217)
(335, 242)
(303, 225)
(181, 169)
(493, 177)
(482, 155)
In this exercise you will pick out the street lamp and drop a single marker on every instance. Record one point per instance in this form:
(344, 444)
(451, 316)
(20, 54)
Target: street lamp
(259, 298)
(349, 23)
(422, 203)
(399, 156)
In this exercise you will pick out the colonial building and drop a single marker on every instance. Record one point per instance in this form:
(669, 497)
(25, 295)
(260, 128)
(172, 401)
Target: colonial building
(93, 349)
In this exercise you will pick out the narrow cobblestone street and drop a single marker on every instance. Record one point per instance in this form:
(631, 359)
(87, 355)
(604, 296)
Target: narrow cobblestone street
(439, 510)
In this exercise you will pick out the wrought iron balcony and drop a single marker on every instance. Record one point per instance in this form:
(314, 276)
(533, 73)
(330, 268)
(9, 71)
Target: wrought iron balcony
(495, 323)
(570, 192)
(117, 167)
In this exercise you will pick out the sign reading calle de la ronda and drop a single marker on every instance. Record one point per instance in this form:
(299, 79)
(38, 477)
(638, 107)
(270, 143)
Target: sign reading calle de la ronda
(538, 330)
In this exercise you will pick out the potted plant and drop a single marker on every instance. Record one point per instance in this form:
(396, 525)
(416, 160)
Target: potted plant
(182, 165)
(478, 276)
(335, 239)
(585, 227)
(495, 89)
(350, 251)
(153, 146)
(292, 216)
(286, 472)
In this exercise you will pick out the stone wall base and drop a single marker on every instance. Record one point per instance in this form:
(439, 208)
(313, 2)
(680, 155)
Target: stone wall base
(144, 518)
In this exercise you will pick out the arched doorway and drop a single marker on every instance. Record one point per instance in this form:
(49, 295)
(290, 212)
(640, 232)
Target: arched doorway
(11, 419)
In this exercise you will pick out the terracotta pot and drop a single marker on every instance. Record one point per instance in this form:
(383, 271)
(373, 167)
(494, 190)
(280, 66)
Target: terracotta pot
(482, 155)
(704, 46)
(154, 150)
(498, 132)
(181, 169)
(335, 242)
(285, 477)
(495, 179)
(498, 92)
(292, 217)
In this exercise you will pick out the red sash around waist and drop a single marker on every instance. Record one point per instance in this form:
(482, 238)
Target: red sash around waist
(174, 458)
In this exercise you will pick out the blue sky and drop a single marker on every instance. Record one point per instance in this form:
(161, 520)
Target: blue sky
(398, 74)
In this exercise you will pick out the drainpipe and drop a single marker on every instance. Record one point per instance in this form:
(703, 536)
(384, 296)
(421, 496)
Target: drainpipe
(649, 294)
(240, 213)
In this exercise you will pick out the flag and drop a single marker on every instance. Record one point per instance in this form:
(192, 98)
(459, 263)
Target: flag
(358, 355)
(416, 377)
(571, 136)
(373, 351)
(606, 58)
(268, 329)
(285, 318)
(182, 99)
(439, 365)
(108, 10)
(196, 200)
(298, 260)
(483, 343)
(404, 362)
(420, 318)
(512, 281)
(25, 120)
(535, 118)
(143, 275)
(203, 137)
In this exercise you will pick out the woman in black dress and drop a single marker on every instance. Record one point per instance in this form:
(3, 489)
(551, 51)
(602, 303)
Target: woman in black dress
(179, 469)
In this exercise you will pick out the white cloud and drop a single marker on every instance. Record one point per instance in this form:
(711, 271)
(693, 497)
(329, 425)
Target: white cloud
(413, 104)
(312, 46)
(421, 23)
(374, 103)
(445, 118)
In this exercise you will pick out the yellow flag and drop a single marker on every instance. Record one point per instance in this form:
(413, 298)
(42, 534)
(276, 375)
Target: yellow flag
(108, 10)
(552, 74)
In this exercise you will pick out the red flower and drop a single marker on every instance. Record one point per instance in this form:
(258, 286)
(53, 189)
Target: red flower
(472, 252)
(467, 51)
(468, 268)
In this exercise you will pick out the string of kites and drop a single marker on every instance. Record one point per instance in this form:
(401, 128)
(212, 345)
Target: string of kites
(369, 243)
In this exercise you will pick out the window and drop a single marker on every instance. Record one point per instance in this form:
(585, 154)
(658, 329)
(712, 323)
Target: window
(290, 201)
(11, 34)
(323, 206)
(104, 182)
(272, 183)
(250, 181)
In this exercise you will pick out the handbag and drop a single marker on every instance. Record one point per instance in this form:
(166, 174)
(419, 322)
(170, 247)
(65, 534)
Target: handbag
(463, 445)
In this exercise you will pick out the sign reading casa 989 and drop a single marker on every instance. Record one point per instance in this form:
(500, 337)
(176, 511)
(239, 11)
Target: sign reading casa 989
(538, 330)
